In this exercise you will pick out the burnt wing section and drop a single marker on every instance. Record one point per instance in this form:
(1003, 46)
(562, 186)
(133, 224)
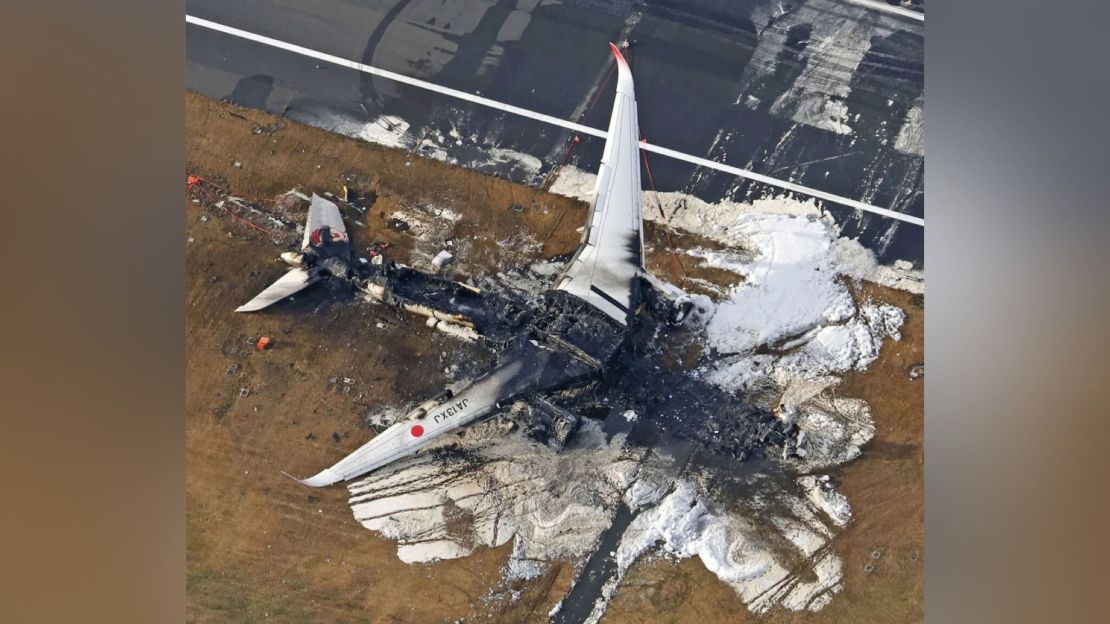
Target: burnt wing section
(497, 316)
(577, 326)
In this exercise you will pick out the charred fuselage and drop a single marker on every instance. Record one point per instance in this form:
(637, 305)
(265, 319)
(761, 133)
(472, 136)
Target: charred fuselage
(565, 343)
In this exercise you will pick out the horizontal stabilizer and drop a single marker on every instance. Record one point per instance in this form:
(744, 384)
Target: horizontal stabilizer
(291, 283)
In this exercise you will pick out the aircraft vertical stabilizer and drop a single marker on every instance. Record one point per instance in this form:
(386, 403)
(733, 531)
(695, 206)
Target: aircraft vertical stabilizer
(609, 259)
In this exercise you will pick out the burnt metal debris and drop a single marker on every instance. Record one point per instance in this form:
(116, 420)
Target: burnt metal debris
(582, 360)
(576, 361)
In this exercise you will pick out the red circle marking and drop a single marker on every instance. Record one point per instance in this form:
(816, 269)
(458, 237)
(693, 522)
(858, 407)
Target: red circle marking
(417, 431)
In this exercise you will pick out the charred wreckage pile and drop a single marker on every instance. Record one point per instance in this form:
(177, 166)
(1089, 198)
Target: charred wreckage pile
(591, 345)
(558, 359)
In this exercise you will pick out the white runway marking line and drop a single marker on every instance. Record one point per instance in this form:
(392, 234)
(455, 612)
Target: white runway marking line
(890, 8)
(523, 112)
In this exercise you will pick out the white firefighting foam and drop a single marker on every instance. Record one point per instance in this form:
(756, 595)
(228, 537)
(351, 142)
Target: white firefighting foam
(782, 335)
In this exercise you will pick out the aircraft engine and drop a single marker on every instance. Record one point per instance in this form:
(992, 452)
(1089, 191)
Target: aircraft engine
(293, 258)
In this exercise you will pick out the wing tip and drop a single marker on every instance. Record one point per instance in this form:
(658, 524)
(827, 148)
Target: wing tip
(325, 478)
(254, 306)
(624, 72)
(617, 55)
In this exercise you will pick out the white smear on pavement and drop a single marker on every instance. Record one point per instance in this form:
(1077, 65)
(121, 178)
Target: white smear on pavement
(911, 136)
(387, 130)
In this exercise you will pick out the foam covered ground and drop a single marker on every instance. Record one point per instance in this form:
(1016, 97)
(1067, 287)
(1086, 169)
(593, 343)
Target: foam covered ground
(783, 335)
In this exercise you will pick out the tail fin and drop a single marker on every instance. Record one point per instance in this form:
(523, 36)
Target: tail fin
(323, 213)
(610, 257)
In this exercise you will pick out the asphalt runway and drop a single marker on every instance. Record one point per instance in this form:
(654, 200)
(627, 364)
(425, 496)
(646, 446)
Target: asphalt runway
(824, 93)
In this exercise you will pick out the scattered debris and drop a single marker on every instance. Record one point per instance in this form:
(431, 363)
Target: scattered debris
(263, 342)
(376, 250)
(359, 200)
(244, 392)
(442, 258)
(917, 371)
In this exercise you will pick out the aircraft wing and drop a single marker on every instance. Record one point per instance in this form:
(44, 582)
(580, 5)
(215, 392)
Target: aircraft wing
(414, 433)
(528, 368)
(292, 282)
(610, 257)
(321, 213)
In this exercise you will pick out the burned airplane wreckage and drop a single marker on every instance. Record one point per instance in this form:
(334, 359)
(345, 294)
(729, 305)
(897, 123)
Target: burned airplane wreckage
(590, 348)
